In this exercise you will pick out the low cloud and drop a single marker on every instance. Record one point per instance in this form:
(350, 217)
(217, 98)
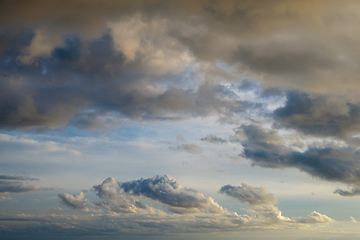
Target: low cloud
(190, 148)
(115, 199)
(12, 177)
(265, 148)
(248, 194)
(139, 218)
(13, 184)
(320, 114)
(77, 202)
(213, 139)
(355, 191)
(164, 189)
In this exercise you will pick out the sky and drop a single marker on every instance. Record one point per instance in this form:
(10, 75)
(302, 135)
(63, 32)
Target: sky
(158, 119)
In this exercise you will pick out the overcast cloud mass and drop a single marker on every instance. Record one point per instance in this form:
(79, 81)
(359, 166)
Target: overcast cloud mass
(107, 106)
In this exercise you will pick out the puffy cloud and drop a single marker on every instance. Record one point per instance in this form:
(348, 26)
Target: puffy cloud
(249, 194)
(117, 200)
(315, 217)
(164, 189)
(77, 202)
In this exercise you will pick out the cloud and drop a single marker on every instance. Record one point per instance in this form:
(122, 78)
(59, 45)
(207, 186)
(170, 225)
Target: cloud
(142, 219)
(12, 177)
(248, 194)
(11, 143)
(265, 148)
(315, 217)
(115, 199)
(75, 95)
(142, 60)
(77, 202)
(164, 189)
(213, 139)
(320, 114)
(12, 184)
(191, 148)
(4, 198)
(180, 137)
(15, 187)
(355, 191)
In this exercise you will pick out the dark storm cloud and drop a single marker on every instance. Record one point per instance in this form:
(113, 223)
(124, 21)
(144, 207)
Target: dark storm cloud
(249, 194)
(330, 162)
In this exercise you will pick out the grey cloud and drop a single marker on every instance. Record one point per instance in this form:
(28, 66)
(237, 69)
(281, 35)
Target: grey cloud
(191, 148)
(213, 139)
(13, 177)
(248, 194)
(257, 135)
(13, 184)
(15, 187)
(93, 87)
(320, 115)
(355, 191)
(144, 61)
(130, 226)
(330, 162)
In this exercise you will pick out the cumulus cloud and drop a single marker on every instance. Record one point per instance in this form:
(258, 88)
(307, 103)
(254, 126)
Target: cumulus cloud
(77, 202)
(263, 205)
(164, 189)
(138, 218)
(115, 199)
(249, 194)
(315, 217)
